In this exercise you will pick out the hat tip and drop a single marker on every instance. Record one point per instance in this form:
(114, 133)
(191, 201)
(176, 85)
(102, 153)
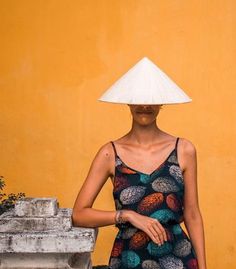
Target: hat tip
(145, 58)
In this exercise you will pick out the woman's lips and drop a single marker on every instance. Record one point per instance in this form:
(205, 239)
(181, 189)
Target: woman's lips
(144, 112)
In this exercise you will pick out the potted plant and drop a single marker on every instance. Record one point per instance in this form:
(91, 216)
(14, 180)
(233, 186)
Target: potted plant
(7, 201)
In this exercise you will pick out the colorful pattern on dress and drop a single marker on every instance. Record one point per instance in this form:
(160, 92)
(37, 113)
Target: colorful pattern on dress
(158, 195)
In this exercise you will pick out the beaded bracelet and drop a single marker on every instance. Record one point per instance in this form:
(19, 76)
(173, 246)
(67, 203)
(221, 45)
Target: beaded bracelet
(119, 217)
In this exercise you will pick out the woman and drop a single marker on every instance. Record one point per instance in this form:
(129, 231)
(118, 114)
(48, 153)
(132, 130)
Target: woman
(155, 182)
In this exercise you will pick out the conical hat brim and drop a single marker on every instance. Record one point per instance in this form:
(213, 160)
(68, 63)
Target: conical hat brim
(145, 83)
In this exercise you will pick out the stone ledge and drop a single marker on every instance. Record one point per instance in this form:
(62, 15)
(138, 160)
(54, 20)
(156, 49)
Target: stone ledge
(41, 207)
(11, 223)
(39, 234)
(46, 261)
(76, 240)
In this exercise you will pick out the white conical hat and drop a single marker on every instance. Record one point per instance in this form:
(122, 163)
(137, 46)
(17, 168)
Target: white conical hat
(145, 83)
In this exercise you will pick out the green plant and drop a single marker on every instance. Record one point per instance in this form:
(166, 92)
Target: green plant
(7, 201)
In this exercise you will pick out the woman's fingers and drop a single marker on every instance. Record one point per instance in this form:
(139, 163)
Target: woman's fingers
(163, 231)
(151, 226)
(155, 235)
(157, 230)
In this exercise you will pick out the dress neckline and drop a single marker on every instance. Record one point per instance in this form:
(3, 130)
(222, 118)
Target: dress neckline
(147, 174)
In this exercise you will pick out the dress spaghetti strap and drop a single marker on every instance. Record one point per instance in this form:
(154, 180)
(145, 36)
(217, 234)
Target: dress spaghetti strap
(176, 144)
(114, 148)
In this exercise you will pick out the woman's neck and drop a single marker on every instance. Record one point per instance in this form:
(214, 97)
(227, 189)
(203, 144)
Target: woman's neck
(144, 134)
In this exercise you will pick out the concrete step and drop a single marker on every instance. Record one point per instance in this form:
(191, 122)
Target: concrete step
(78, 239)
(10, 222)
(37, 207)
(46, 261)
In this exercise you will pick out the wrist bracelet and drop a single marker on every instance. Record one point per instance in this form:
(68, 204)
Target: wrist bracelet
(119, 217)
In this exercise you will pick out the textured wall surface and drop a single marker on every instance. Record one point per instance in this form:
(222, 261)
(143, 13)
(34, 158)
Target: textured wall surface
(57, 57)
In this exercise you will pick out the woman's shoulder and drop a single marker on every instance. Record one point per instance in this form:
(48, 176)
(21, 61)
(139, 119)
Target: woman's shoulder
(105, 150)
(187, 145)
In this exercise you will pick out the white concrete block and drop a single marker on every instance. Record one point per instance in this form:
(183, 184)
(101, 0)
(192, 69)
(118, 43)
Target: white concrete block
(9, 223)
(45, 261)
(41, 207)
(75, 240)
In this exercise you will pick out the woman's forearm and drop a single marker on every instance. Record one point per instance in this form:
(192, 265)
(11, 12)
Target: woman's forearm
(195, 228)
(90, 217)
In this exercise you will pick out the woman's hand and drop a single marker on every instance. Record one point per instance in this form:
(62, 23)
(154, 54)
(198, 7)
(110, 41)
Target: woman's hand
(150, 226)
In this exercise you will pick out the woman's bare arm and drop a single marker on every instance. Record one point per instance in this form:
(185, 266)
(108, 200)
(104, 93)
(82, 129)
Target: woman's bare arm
(83, 214)
(192, 215)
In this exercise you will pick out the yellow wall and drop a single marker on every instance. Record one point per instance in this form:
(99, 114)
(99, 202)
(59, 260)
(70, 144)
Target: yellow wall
(58, 57)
